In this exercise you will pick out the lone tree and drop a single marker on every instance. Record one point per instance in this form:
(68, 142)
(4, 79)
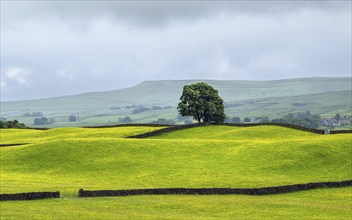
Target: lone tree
(203, 102)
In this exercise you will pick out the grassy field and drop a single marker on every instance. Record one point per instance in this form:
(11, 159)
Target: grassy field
(214, 156)
(248, 134)
(315, 204)
(10, 136)
(323, 96)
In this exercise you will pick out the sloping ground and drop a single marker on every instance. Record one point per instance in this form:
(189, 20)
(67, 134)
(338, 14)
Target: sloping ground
(324, 104)
(215, 156)
(105, 162)
(167, 92)
(10, 136)
(315, 204)
(223, 132)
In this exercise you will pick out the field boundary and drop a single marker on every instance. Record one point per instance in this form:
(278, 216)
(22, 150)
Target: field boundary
(215, 191)
(41, 129)
(104, 126)
(165, 130)
(341, 132)
(182, 191)
(29, 196)
(12, 145)
(181, 127)
(127, 125)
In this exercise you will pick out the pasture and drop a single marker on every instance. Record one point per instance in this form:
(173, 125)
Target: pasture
(67, 159)
(314, 204)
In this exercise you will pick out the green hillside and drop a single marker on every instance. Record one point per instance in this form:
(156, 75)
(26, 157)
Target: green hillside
(223, 132)
(324, 96)
(167, 92)
(232, 157)
(67, 159)
(10, 136)
(324, 104)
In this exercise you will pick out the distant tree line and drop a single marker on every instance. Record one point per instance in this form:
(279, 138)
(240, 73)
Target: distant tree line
(157, 107)
(237, 120)
(140, 109)
(11, 124)
(163, 121)
(43, 121)
(33, 114)
(132, 106)
(336, 121)
(305, 119)
(233, 120)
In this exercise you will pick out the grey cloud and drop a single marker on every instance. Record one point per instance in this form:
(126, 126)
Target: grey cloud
(69, 48)
(152, 12)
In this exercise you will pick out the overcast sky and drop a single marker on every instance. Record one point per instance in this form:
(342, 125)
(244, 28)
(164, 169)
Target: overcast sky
(59, 48)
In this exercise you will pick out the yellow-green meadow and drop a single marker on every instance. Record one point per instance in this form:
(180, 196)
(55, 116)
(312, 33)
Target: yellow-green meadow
(67, 159)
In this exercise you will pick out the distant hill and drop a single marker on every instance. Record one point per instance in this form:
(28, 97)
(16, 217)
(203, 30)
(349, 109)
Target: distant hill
(323, 95)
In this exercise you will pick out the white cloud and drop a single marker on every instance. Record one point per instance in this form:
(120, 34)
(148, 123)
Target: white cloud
(17, 74)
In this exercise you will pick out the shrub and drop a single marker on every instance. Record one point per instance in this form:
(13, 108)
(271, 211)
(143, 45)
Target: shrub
(72, 118)
(41, 121)
(126, 120)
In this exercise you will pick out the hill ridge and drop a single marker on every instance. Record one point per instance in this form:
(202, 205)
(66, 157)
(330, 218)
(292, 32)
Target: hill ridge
(319, 94)
(187, 81)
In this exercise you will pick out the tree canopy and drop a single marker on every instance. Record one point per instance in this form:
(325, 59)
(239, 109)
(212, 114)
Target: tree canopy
(11, 124)
(203, 102)
(305, 119)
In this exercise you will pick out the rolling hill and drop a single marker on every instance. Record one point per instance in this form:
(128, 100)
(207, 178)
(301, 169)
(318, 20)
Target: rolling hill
(324, 96)
(66, 159)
